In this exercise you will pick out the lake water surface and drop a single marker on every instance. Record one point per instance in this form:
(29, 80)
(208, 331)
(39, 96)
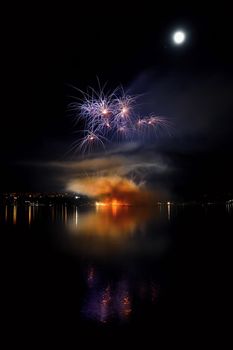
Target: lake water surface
(113, 272)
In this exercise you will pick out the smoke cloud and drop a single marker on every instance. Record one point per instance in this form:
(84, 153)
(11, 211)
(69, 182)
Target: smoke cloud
(109, 188)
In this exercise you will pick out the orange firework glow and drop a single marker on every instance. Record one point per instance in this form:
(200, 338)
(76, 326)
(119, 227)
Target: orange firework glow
(111, 203)
(112, 190)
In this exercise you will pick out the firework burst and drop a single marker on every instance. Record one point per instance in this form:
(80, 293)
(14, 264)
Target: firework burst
(111, 117)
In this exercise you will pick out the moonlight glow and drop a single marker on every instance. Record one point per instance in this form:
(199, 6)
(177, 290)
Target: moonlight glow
(179, 37)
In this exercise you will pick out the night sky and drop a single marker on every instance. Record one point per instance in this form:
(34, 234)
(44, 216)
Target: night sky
(46, 51)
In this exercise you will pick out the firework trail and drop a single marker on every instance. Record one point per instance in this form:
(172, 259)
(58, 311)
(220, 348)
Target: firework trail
(108, 117)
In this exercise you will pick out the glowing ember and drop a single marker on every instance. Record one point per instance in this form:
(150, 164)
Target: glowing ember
(112, 203)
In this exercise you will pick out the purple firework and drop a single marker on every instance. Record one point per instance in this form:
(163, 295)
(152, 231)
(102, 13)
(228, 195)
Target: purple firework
(109, 117)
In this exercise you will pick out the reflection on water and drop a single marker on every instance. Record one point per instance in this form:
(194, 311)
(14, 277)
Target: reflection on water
(15, 214)
(106, 300)
(29, 215)
(110, 266)
(169, 210)
(76, 217)
(113, 261)
(99, 220)
(101, 233)
(109, 220)
(107, 231)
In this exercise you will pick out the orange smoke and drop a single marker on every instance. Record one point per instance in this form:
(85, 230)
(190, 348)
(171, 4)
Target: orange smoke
(111, 189)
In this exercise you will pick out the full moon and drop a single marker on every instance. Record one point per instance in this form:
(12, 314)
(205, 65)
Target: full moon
(179, 37)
